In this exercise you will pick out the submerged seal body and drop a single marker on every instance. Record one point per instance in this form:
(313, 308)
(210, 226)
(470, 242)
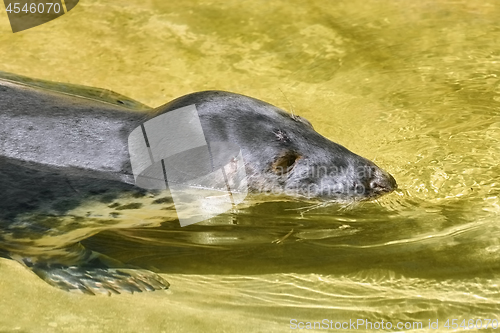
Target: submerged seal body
(65, 174)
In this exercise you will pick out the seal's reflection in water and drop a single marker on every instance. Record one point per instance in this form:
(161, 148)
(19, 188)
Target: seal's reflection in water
(328, 240)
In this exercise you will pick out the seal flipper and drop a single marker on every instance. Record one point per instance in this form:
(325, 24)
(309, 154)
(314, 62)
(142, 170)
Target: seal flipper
(92, 280)
(95, 276)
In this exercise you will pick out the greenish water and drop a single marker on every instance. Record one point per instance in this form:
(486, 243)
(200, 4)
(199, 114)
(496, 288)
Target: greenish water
(413, 86)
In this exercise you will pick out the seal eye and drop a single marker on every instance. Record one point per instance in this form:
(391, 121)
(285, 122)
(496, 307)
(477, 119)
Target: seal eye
(285, 163)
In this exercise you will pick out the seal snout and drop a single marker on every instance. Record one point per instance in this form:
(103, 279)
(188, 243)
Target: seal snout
(382, 182)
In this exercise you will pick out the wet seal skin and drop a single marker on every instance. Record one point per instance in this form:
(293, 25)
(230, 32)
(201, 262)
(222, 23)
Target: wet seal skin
(65, 175)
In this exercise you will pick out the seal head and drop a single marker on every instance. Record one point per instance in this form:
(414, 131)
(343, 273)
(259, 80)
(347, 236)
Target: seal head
(283, 154)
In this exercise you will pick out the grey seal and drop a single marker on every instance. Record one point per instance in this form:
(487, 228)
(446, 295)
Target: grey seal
(65, 174)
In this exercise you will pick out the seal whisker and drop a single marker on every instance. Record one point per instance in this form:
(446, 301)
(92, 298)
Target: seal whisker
(294, 117)
(282, 239)
(304, 210)
(349, 205)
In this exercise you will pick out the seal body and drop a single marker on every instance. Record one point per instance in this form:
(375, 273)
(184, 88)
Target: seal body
(65, 175)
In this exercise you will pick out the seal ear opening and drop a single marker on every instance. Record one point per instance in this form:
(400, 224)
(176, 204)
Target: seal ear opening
(285, 163)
